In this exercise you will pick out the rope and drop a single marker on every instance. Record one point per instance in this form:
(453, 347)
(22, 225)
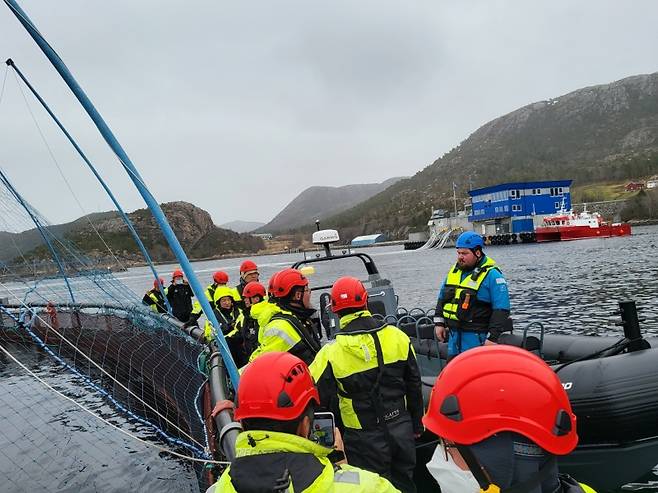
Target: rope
(4, 82)
(105, 394)
(91, 167)
(61, 173)
(89, 411)
(198, 413)
(34, 336)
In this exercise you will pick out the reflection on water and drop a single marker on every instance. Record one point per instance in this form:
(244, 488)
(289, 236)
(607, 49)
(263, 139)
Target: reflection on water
(50, 444)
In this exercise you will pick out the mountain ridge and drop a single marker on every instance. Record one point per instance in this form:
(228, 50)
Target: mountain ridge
(240, 226)
(594, 134)
(319, 202)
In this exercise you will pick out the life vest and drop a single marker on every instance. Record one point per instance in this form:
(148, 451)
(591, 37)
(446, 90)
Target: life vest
(462, 310)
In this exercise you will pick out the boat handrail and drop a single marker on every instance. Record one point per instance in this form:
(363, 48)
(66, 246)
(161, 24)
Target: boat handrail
(367, 260)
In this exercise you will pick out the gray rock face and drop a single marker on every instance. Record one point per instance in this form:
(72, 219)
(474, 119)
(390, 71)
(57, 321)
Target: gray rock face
(193, 226)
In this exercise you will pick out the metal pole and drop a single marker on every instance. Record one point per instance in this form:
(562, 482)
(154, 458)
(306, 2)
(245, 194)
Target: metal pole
(123, 215)
(111, 140)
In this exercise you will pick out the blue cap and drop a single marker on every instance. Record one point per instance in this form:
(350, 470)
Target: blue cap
(470, 240)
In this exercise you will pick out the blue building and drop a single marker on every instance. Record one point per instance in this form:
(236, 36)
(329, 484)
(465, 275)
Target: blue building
(368, 240)
(516, 207)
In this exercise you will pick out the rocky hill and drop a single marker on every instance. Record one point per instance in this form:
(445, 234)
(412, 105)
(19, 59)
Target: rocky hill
(13, 244)
(595, 134)
(321, 202)
(193, 226)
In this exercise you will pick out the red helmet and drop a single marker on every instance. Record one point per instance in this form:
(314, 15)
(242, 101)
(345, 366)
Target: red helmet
(271, 284)
(253, 288)
(276, 386)
(220, 277)
(491, 389)
(283, 281)
(177, 273)
(158, 282)
(348, 292)
(248, 266)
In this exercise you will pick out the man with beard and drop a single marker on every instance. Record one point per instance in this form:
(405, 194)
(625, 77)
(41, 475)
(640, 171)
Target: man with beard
(473, 306)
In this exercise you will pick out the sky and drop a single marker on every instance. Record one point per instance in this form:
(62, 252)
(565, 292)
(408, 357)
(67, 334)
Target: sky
(237, 107)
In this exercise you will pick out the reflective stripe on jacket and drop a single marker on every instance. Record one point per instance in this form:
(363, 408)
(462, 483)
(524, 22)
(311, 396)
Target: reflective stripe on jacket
(281, 330)
(461, 308)
(349, 367)
(262, 457)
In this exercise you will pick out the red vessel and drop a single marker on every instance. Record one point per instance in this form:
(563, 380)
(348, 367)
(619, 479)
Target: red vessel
(567, 225)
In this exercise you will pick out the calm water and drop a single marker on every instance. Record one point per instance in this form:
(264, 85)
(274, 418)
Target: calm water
(49, 444)
(570, 287)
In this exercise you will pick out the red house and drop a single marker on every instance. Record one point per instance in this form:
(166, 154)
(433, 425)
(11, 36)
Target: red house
(634, 186)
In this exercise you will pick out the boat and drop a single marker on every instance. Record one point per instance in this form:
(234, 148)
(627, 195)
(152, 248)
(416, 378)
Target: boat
(567, 225)
(612, 382)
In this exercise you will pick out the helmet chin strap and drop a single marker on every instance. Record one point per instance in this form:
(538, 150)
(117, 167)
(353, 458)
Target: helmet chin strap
(482, 476)
(479, 472)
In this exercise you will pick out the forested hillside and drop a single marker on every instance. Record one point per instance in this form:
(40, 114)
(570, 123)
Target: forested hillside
(596, 134)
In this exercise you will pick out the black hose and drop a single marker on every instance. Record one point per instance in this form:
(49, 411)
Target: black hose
(622, 343)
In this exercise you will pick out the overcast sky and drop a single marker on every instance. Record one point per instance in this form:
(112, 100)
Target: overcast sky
(239, 106)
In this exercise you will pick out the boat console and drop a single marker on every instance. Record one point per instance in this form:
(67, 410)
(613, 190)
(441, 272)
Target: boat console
(382, 300)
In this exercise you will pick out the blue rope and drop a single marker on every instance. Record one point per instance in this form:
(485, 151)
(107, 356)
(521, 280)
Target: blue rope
(103, 392)
(134, 175)
(125, 218)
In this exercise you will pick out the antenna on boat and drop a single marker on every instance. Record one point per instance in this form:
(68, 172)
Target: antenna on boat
(325, 237)
(136, 178)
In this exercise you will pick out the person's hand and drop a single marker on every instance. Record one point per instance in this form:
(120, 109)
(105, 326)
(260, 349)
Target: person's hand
(441, 332)
(489, 343)
(339, 445)
(222, 405)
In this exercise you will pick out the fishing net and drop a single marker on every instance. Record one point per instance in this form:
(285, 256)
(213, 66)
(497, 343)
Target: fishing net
(97, 391)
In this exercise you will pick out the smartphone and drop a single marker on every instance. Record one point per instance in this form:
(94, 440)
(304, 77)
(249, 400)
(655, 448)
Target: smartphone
(322, 429)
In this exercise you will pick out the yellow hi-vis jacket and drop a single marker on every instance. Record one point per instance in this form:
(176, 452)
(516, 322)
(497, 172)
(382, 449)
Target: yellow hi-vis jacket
(155, 302)
(218, 293)
(260, 454)
(367, 387)
(281, 330)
